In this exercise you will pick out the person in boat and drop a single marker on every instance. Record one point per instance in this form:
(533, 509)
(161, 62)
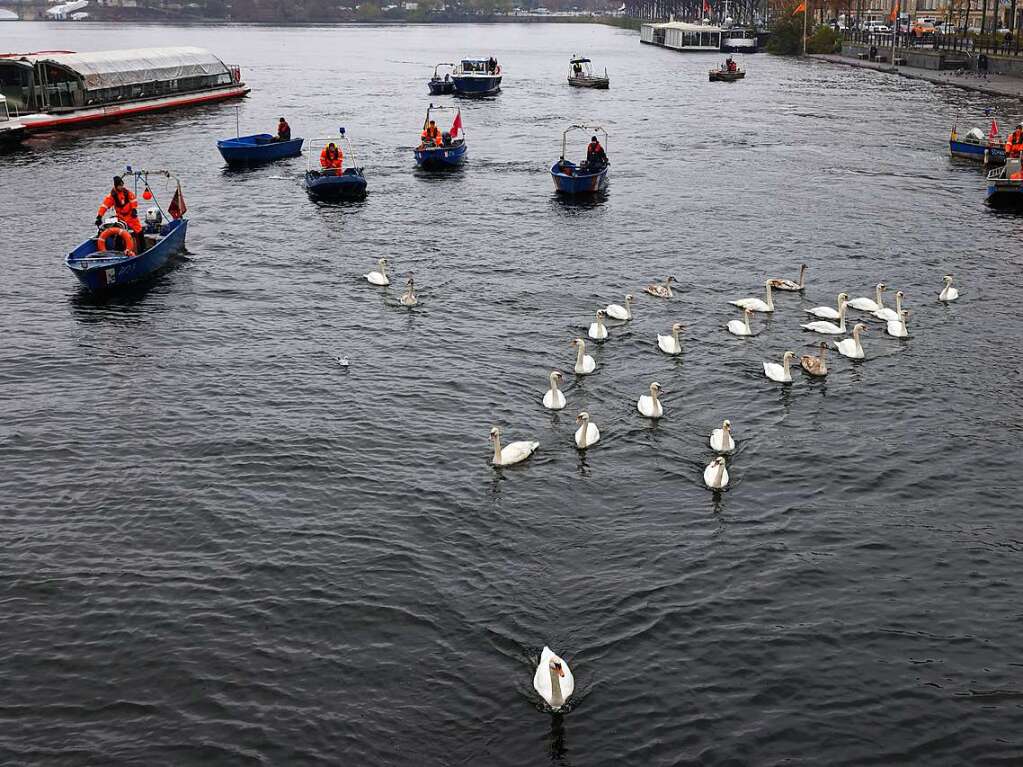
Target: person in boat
(491, 65)
(283, 130)
(730, 65)
(431, 135)
(596, 157)
(577, 68)
(331, 158)
(1014, 144)
(122, 201)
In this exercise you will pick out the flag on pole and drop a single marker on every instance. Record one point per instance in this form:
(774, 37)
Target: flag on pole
(706, 6)
(801, 8)
(895, 12)
(177, 207)
(993, 133)
(456, 126)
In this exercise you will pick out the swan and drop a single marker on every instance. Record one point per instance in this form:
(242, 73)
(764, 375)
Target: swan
(553, 680)
(755, 303)
(741, 327)
(597, 330)
(780, 373)
(815, 366)
(897, 328)
(828, 328)
(379, 277)
(554, 398)
(948, 293)
(715, 476)
(888, 314)
(661, 289)
(649, 405)
(865, 304)
(671, 344)
(512, 453)
(587, 434)
(851, 347)
(826, 312)
(618, 312)
(778, 284)
(408, 298)
(584, 364)
(721, 439)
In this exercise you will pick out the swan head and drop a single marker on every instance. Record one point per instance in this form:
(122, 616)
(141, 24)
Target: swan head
(726, 426)
(882, 287)
(578, 342)
(823, 347)
(947, 278)
(719, 461)
(382, 263)
(556, 667)
(788, 356)
(803, 267)
(747, 312)
(858, 328)
(601, 314)
(669, 280)
(583, 417)
(629, 298)
(556, 376)
(494, 433)
(843, 297)
(678, 327)
(655, 389)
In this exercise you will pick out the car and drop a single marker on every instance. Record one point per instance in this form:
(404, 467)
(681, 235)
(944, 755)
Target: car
(922, 29)
(876, 27)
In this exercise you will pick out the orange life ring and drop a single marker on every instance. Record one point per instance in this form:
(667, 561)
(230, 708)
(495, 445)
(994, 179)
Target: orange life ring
(126, 239)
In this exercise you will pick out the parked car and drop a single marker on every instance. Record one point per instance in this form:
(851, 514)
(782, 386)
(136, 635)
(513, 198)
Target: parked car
(876, 27)
(922, 30)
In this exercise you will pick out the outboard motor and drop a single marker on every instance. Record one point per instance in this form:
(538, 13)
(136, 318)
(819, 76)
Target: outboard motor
(445, 138)
(154, 221)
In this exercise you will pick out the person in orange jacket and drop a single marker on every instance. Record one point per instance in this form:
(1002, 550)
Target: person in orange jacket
(1014, 144)
(431, 135)
(123, 201)
(331, 158)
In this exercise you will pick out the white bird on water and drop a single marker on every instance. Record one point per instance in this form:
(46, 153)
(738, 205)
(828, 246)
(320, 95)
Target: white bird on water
(715, 476)
(887, 313)
(554, 398)
(342, 361)
(897, 328)
(721, 440)
(757, 304)
(864, 304)
(379, 277)
(553, 680)
(851, 347)
(948, 293)
(826, 312)
(597, 330)
(584, 364)
(780, 373)
(409, 298)
(649, 404)
(815, 366)
(671, 344)
(587, 434)
(618, 312)
(661, 289)
(513, 452)
(741, 327)
(795, 287)
(828, 328)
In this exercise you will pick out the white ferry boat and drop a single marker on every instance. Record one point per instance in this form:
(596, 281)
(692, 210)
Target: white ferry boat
(684, 36)
(739, 40)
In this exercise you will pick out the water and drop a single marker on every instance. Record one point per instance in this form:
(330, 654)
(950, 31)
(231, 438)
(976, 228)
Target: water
(220, 547)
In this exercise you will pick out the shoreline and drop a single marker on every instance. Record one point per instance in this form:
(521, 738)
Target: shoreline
(608, 21)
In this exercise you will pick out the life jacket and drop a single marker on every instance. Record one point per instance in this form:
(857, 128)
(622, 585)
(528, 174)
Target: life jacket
(123, 202)
(1014, 144)
(283, 129)
(431, 133)
(331, 158)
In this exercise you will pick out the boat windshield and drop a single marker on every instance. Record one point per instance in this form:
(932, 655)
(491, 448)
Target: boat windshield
(4, 114)
(475, 65)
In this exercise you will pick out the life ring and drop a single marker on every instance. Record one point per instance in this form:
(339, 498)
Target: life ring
(126, 239)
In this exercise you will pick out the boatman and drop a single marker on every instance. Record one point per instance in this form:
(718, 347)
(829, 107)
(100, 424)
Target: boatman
(732, 67)
(1014, 144)
(431, 135)
(123, 201)
(283, 131)
(595, 155)
(331, 157)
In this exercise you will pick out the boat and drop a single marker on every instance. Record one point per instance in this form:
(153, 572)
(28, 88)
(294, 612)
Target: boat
(11, 129)
(325, 184)
(581, 75)
(441, 86)
(64, 89)
(1005, 186)
(102, 270)
(682, 36)
(975, 146)
(256, 149)
(452, 149)
(477, 77)
(738, 40)
(723, 75)
(577, 179)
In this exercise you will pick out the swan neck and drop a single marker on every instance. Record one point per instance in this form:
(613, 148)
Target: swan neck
(557, 697)
(802, 275)
(770, 302)
(628, 308)
(497, 448)
(745, 319)
(719, 475)
(580, 350)
(785, 363)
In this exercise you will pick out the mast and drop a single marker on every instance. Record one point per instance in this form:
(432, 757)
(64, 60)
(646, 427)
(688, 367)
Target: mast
(806, 12)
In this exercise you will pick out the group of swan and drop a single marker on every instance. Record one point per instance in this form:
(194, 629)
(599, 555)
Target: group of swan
(380, 278)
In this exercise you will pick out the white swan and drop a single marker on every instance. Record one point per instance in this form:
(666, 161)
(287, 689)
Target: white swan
(851, 347)
(554, 398)
(512, 453)
(897, 328)
(584, 364)
(587, 434)
(948, 293)
(888, 314)
(780, 373)
(661, 289)
(721, 439)
(408, 298)
(597, 330)
(757, 304)
(671, 344)
(828, 328)
(815, 366)
(379, 277)
(865, 304)
(741, 327)
(649, 405)
(715, 476)
(553, 680)
(618, 312)
(779, 284)
(826, 312)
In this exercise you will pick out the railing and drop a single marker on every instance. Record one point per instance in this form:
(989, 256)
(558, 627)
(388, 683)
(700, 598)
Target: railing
(961, 40)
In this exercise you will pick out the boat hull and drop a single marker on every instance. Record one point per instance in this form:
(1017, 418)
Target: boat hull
(102, 275)
(349, 185)
(253, 150)
(969, 151)
(598, 83)
(441, 157)
(476, 85)
(717, 76)
(578, 182)
(441, 87)
(1005, 194)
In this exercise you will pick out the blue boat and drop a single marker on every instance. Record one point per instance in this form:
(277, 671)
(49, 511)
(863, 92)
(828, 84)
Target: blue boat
(260, 148)
(1005, 186)
(974, 145)
(336, 184)
(103, 270)
(477, 77)
(582, 178)
(441, 86)
(450, 153)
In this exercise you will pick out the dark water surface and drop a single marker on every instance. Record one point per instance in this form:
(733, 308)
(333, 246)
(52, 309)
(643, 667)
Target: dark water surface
(221, 548)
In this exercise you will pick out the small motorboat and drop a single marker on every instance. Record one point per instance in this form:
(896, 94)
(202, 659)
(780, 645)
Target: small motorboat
(583, 178)
(260, 148)
(580, 75)
(450, 153)
(108, 261)
(728, 72)
(334, 183)
(441, 86)
(477, 77)
(1005, 186)
(974, 145)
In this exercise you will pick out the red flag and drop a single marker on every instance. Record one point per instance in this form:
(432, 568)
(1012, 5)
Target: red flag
(177, 208)
(993, 133)
(895, 12)
(706, 6)
(456, 125)
(801, 8)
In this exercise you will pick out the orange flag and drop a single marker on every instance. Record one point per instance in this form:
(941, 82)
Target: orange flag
(801, 8)
(895, 12)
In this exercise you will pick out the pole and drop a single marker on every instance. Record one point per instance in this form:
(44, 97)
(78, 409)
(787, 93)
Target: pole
(806, 12)
(895, 30)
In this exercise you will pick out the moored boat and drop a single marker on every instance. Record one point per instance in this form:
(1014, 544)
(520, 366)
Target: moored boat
(580, 75)
(1005, 186)
(441, 86)
(451, 150)
(336, 183)
(11, 129)
(256, 149)
(973, 145)
(101, 268)
(587, 177)
(477, 77)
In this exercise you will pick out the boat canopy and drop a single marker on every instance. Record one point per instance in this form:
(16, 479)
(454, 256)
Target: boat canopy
(110, 69)
(579, 61)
